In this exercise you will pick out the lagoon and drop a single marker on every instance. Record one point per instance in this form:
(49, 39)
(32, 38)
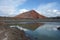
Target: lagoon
(47, 31)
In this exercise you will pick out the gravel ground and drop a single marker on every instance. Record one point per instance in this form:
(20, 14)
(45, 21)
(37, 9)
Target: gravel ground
(7, 33)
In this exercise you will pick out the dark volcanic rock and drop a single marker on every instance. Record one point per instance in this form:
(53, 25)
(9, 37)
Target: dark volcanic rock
(58, 28)
(7, 33)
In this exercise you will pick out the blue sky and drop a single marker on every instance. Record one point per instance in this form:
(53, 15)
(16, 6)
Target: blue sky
(49, 8)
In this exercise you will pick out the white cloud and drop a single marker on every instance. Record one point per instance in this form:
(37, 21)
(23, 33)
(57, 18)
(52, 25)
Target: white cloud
(23, 10)
(50, 9)
(11, 2)
(7, 10)
(54, 11)
(8, 7)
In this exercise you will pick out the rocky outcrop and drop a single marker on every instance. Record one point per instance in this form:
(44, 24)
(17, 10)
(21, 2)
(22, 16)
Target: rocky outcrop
(7, 33)
(30, 14)
(58, 28)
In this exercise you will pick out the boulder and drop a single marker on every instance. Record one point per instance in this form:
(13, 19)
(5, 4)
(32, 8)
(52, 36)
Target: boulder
(58, 28)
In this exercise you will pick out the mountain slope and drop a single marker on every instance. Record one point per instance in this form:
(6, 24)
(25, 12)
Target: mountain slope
(30, 14)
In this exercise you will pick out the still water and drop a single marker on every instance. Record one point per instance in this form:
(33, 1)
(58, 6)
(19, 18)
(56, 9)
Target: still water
(47, 31)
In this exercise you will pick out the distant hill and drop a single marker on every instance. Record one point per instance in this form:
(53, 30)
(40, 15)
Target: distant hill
(30, 14)
(4, 18)
(58, 17)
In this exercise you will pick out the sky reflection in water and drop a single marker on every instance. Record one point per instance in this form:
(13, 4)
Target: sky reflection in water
(41, 31)
(48, 31)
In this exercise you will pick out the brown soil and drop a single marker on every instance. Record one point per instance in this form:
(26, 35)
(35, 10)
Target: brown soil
(30, 14)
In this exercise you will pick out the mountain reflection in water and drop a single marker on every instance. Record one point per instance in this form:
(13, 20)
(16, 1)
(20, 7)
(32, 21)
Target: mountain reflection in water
(48, 31)
(32, 26)
(42, 31)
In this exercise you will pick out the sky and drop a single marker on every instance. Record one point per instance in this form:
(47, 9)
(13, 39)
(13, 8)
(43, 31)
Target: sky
(48, 8)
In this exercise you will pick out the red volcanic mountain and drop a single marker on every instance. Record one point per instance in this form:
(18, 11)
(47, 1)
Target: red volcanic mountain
(30, 14)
